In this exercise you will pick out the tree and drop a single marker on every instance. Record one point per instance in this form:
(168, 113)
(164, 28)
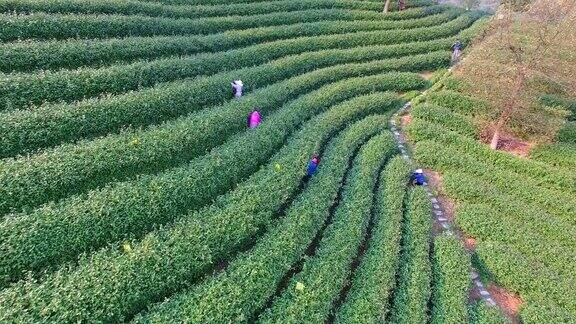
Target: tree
(522, 55)
(386, 6)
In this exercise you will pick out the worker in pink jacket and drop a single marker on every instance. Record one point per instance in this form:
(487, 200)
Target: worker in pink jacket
(254, 119)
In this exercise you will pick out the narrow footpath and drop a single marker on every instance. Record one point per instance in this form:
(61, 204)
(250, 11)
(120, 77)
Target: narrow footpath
(438, 210)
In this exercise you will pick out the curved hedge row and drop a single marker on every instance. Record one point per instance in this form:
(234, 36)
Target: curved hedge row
(75, 168)
(443, 157)
(542, 311)
(63, 26)
(414, 3)
(500, 199)
(486, 222)
(22, 90)
(373, 283)
(560, 154)
(444, 116)
(115, 212)
(414, 275)
(236, 293)
(31, 55)
(54, 124)
(535, 283)
(451, 281)
(118, 284)
(131, 7)
(566, 103)
(324, 274)
(546, 175)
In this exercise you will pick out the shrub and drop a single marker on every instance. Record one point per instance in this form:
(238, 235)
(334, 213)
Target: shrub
(81, 166)
(64, 26)
(373, 282)
(480, 313)
(130, 209)
(325, 273)
(22, 90)
(117, 284)
(160, 10)
(451, 281)
(32, 55)
(414, 272)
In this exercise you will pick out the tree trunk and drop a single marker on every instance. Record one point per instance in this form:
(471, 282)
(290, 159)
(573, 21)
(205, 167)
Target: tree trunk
(386, 6)
(495, 139)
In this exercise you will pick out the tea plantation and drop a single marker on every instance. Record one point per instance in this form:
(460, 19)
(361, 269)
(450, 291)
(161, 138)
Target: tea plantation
(131, 189)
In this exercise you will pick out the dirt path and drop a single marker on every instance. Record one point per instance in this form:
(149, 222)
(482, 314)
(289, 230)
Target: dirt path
(442, 209)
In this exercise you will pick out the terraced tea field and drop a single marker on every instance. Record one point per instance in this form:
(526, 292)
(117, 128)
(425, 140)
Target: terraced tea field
(132, 190)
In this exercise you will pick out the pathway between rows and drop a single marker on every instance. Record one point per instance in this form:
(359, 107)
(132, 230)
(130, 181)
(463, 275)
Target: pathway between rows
(438, 211)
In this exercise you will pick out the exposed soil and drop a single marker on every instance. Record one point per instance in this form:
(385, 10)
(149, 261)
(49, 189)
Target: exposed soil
(435, 180)
(470, 243)
(509, 302)
(516, 146)
(406, 120)
(510, 144)
(427, 75)
(474, 295)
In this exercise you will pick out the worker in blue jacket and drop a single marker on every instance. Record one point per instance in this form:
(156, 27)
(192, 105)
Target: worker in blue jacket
(418, 178)
(312, 165)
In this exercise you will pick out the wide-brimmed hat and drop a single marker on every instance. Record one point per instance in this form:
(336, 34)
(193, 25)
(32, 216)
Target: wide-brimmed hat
(419, 171)
(238, 82)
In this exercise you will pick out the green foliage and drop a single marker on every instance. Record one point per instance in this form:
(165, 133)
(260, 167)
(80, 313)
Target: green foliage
(547, 175)
(324, 275)
(480, 313)
(558, 101)
(438, 114)
(542, 311)
(134, 190)
(130, 209)
(33, 55)
(373, 282)
(63, 26)
(451, 281)
(457, 102)
(567, 134)
(86, 165)
(131, 7)
(116, 284)
(560, 154)
(411, 94)
(447, 158)
(414, 273)
(486, 222)
(50, 125)
(53, 124)
(22, 90)
(537, 284)
(519, 211)
(414, 3)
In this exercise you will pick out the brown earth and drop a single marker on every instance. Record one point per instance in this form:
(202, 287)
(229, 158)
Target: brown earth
(427, 75)
(509, 302)
(470, 243)
(509, 143)
(406, 120)
(435, 180)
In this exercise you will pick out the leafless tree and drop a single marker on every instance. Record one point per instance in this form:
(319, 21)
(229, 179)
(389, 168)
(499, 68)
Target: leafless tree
(386, 6)
(523, 54)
